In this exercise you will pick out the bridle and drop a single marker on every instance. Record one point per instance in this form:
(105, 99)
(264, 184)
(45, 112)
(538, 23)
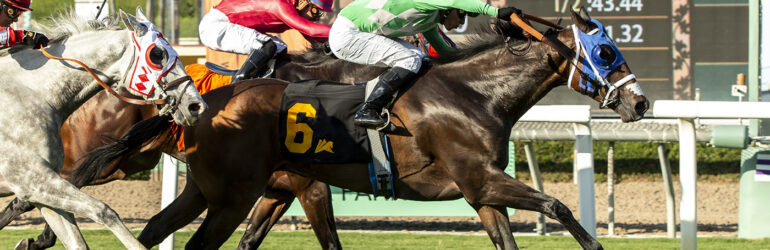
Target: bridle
(608, 100)
(163, 86)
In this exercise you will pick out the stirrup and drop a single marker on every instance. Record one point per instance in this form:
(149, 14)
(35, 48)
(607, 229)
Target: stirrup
(386, 113)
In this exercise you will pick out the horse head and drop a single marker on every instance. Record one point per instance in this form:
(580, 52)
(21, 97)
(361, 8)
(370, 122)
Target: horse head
(599, 70)
(157, 73)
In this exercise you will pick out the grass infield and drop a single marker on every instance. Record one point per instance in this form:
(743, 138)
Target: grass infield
(103, 239)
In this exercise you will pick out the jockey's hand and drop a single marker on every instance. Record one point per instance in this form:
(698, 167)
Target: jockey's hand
(34, 39)
(506, 12)
(327, 49)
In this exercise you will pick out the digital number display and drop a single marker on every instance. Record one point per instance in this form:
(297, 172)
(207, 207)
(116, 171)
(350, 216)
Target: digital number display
(642, 29)
(613, 5)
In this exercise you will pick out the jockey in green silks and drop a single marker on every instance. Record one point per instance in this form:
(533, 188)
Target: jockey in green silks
(366, 32)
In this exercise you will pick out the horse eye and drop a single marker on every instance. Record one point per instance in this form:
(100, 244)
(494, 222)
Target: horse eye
(157, 56)
(607, 54)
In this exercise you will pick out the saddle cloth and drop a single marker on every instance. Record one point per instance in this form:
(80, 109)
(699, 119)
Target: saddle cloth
(316, 123)
(205, 80)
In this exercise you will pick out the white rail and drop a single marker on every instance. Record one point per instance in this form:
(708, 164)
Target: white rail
(169, 192)
(686, 112)
(580, 117)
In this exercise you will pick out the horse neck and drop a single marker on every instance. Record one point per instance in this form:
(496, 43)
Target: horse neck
(67, 85)
(506, 84)
(330, 68)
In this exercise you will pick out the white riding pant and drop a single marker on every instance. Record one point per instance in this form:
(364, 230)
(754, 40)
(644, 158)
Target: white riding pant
(218, 33)
(350, 44)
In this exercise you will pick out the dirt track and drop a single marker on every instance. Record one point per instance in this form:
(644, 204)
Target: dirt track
(639, 209)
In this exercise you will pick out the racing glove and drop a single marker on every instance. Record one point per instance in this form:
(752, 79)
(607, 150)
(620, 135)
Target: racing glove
(506, 12)
(34, 39)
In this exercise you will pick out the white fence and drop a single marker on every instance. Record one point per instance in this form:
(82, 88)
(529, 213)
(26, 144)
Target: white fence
(686, 112)
(580, 117)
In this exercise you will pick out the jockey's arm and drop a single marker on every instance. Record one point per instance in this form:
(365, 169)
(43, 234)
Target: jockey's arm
(315, 31)
(10, 37)
(473, 6)
(437, 41)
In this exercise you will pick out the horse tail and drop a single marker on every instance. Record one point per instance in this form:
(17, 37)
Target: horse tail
(98, 159)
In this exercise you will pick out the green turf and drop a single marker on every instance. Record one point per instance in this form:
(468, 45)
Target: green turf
(102, 239)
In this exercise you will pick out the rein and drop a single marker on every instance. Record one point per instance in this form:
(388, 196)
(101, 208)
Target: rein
(564, 51)
(111, 91)
(557, 45)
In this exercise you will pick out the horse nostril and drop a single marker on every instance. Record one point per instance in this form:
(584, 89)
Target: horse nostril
(641, 107)
(194, 108)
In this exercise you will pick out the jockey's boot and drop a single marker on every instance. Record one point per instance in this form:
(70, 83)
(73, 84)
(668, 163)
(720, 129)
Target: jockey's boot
(257, 59)
(391, 80)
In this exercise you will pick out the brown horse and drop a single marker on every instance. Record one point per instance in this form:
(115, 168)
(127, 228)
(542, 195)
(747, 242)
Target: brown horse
(105, 118)
(454, 121)
(102, 119)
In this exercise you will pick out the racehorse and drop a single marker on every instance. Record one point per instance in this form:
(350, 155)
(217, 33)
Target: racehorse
(454, 125)
(84, 131)
(39, 93)
(103, 118)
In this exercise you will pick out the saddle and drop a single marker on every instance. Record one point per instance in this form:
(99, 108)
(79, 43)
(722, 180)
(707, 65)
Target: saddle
(317, 123)
(316, 126)
(216, 68)
(220, 69)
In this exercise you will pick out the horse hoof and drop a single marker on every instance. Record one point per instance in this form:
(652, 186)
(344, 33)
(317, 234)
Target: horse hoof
(24, 244)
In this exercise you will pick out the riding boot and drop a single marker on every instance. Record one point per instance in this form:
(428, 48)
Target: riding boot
(390, 81)
(255, 62)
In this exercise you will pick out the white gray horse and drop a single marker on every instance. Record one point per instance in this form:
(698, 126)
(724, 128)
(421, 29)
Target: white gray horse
(37, 94)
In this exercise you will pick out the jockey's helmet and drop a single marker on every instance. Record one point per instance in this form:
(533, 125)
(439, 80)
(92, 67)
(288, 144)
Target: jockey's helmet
(325, 5)
(19, 4)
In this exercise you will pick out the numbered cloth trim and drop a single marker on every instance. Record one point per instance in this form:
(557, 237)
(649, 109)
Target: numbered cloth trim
(205, 80)
(316, 123)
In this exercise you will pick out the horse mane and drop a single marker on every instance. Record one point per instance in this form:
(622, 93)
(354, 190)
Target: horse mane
(66, 24)
(488, 37)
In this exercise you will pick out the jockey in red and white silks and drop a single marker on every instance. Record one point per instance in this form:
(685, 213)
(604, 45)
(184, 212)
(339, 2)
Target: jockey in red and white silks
(11, 10)
(238, 26)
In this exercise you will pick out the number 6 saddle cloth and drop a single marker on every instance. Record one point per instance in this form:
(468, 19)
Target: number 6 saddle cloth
(316, 123)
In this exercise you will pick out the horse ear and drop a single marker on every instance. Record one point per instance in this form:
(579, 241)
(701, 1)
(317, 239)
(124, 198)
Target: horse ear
(132, 24)
(140, 14)
(584, 13)
(580, 22)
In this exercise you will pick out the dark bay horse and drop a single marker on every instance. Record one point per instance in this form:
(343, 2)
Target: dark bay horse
(456, 121)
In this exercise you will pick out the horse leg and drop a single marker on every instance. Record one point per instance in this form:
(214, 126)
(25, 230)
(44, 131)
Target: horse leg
(17, 207)
(315, 198)
(499, 189)
(63, 223)
(14, 209)
(45, 240)
(39, 184)
(496, 223)
(221, 221)
(266, 213)
(179, 213)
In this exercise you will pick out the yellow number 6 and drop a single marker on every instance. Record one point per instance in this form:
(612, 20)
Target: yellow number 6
(292, 128)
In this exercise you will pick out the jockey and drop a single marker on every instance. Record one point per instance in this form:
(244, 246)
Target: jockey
(238, 26)
(8, 36)
(366, 32)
